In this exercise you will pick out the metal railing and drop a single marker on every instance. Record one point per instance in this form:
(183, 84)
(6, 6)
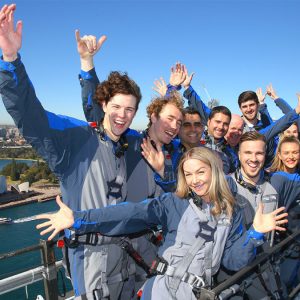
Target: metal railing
(46, 273)
(233, 284)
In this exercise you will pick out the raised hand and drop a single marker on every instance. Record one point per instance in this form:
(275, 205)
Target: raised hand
(264, 223)
(87, 47)
(10, 39)
(160, 87)
(155, 157)
(261, 96)
(177, 75)
(188, 78)
(297, 109)
(58, 221)
(271, 92)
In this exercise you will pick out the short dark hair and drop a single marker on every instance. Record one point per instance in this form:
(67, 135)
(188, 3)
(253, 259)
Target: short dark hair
(252, 136)
(220, 109)
(191, 111)
(246, 96)
(117, 83)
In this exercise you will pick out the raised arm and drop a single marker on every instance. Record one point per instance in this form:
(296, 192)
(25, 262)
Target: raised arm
(160, 87)
(10, 38)
(52, 136)
(193, 98)
(282, 124)
(266, 119)
(283, 105)
(120, 219)
(87, 47)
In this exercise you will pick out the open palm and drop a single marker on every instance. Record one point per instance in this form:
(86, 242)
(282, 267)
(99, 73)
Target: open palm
(10, 39)
(58, 221)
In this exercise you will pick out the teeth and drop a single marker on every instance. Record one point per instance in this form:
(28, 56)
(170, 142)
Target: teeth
(170, 133)
(252, 165)
(120, 122)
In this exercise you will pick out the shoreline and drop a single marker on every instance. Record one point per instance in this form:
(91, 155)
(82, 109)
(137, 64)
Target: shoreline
(38, 194)
(11, 158)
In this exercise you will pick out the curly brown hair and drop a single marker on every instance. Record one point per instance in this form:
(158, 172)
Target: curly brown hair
(157, 104)
(117, 83)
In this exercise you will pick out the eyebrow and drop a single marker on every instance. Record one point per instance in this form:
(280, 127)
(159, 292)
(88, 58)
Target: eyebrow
(187, 172)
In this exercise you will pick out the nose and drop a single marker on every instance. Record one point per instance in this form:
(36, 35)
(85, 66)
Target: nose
(253, 157)
(195, 179)
(221, 126)
(174, 124)
(122, 113)
(193, 128)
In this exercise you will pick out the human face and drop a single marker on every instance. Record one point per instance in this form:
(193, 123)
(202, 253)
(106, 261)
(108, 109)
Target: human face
(191, 130)
(252, 158)
(218, 125)
(249, 110)
(166, 126)
(198, 177)
(119, 113)
(291, 131)
(289, 154)
(235, 131)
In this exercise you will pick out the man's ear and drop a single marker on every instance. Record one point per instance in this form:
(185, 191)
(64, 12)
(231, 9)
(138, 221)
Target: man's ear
(153, 118)
(104, 106)
(208, 122)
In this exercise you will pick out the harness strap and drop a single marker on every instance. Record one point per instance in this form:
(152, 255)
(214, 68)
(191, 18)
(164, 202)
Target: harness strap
(187, 260)
(119, 174)
(208, 263)
(193, 280)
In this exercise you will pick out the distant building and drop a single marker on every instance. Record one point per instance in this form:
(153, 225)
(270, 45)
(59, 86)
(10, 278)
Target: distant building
(3, 186)
(2, 132)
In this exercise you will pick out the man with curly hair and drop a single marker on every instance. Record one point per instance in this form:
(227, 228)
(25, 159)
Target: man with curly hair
(89, 164)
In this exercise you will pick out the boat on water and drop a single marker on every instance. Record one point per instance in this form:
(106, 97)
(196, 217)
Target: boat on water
(5, 220)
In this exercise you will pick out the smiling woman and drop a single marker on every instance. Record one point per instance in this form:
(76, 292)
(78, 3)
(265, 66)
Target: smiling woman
(201, 227)
(287, 155)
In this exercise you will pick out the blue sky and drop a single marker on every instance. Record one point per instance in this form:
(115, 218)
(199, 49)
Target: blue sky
(231, 45)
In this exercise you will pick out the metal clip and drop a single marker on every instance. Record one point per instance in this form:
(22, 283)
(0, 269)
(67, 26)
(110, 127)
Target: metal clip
(198, 282)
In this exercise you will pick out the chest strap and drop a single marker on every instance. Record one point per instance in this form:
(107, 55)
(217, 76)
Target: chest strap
(205, 236)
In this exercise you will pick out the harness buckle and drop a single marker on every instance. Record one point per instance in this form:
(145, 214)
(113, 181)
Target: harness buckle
(158, 267)
(197, 283)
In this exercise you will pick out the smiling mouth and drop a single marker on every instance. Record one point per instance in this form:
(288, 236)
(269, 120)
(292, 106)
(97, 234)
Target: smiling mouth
(253, 165)
(119, 123)
(291, 162)
(170, 134)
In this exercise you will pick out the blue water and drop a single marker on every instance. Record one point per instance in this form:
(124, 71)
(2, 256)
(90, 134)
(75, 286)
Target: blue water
(17, 236)
(4, 162)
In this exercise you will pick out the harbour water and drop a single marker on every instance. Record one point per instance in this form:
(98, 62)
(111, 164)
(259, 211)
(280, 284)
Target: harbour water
(17, 236)
(4, 162)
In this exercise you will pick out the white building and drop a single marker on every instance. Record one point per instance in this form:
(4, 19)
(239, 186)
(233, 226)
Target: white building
(3, 186)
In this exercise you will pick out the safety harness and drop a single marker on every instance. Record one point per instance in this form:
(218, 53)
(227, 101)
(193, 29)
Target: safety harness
(178, 274)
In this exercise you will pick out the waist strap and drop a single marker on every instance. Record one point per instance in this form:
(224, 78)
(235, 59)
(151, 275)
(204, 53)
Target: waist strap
(195, 281)
(161, 267)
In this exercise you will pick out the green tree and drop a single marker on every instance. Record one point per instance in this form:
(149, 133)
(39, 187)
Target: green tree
(13, 171)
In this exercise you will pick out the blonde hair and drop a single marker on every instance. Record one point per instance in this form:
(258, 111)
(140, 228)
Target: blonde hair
(219, 193)
(277, 164)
